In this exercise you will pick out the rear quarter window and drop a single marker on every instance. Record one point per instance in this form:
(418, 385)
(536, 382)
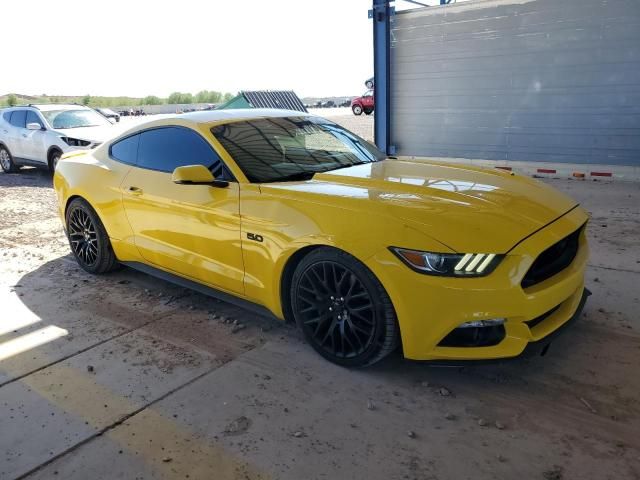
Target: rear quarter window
(18, 118)
(166, 148)
(126, 150)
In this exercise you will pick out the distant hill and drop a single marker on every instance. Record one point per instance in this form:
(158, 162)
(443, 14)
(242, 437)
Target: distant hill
(176, 97)
(22, 99)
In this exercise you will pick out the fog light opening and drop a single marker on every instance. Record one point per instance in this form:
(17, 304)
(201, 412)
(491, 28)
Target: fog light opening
(478, 333)
(491, 322)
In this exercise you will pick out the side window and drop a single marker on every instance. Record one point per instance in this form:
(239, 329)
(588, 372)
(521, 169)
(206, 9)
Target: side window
(32, 117)
(126, 150)
(18, 118)
(7, 116)
(165, 149)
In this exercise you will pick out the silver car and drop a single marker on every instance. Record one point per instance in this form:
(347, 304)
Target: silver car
(38, 135)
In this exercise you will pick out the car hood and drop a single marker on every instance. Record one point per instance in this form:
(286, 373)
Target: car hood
(466, 208)
(92, 134)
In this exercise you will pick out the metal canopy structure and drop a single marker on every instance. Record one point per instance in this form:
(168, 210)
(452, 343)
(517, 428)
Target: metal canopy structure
(539, 81)
(286, 100)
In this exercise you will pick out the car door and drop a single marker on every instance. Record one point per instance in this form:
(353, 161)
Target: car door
(34, 141)
(192, 230)
(17, 133)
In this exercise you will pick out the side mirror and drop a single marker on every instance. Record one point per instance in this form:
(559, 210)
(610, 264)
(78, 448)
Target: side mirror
(196, 175)
(34, 126)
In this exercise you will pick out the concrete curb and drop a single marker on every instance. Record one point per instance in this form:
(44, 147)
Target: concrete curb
(550, 170)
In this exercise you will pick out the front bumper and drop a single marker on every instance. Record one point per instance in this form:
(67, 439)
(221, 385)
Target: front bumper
(429, 308)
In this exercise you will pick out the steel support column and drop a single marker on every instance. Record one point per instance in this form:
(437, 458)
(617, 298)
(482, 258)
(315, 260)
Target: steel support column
(381, 15)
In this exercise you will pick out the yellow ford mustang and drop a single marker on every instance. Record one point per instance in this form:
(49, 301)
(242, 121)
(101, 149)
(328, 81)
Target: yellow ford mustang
(301, 218)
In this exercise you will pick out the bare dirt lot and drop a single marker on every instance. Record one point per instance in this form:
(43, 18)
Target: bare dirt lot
(123, 376)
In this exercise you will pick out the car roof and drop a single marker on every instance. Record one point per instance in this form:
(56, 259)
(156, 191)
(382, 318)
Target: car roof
(210, 116)
(46, 107)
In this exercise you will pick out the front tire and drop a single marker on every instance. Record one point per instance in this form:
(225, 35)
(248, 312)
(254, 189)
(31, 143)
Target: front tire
(6, 161)
(342, 309)
(54, 158)
(88, 238)
(357, 110)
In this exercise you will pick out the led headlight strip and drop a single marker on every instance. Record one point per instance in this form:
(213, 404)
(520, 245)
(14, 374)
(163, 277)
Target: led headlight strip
(475, 262)
(448, 264)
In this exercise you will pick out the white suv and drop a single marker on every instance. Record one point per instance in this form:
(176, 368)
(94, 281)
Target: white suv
(38, 135)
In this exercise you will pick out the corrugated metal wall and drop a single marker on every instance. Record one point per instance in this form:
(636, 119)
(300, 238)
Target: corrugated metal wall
(531, 80)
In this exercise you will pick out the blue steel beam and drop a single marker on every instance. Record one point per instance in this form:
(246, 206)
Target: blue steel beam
(381, 15)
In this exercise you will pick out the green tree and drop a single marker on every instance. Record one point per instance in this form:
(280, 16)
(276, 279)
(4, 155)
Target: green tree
(12, 100)
(202, 96)
(227, 96)
(175, 97)
(86, 99)
(151, 100)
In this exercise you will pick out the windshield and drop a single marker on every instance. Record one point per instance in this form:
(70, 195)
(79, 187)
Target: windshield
(74, 118)
(292, 148)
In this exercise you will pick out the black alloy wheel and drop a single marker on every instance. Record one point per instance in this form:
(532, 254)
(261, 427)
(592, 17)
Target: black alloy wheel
(88, 238)
(342, 309)
(83, 237)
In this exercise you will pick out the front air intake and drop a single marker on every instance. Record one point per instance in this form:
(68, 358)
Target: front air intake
(553, 260)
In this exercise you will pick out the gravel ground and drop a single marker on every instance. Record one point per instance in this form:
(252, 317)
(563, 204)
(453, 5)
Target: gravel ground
(154, 381)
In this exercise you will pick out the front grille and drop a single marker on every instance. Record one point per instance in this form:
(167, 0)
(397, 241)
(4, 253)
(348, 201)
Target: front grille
(553, 260)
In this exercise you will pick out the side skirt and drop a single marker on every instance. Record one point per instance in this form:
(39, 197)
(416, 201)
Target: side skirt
(24, 162)
(200, 288)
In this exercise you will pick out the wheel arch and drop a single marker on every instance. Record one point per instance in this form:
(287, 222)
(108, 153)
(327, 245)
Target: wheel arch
(97, 212)
(287, 275)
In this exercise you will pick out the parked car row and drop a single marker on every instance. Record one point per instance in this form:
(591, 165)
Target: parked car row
(132, 113)
(38, 135)
(107, 112)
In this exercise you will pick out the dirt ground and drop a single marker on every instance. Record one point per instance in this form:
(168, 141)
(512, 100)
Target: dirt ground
(124, 376)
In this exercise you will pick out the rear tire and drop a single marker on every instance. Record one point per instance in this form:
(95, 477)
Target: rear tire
(6, 161)
(357, 110)
(342, 309)
(88, 238)
(368, 111)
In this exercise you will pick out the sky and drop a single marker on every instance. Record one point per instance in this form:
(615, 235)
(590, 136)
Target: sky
(142, 47)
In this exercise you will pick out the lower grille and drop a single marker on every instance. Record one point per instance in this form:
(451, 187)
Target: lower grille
(553, 260)
(474, 337)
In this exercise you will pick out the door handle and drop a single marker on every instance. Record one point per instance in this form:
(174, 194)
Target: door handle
(135, 191)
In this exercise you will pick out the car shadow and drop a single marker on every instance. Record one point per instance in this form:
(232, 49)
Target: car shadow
(27, 177)
(129, 298)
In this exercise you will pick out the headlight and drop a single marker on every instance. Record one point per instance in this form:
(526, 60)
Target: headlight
(74, 142)
(449, 264)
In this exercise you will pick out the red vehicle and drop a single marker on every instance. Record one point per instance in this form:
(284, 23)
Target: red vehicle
(365, 104)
